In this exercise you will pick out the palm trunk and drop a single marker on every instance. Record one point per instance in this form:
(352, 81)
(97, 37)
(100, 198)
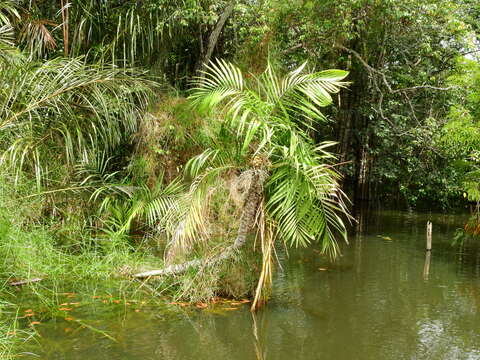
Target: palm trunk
(250, 207)
(251, 203)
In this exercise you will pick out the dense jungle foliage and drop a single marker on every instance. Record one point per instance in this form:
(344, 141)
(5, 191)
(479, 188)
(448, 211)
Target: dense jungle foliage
(139, 134)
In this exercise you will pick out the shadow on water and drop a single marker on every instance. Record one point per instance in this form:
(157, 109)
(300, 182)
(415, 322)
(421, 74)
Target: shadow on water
(375, 302)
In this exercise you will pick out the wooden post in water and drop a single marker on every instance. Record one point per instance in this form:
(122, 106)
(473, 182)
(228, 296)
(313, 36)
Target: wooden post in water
(426, 267)
(429, 236)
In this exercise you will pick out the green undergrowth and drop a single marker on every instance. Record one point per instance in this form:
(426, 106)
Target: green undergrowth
(168, 136)
(92, 268)
(86, 266)
(85, 254)
(97, 280)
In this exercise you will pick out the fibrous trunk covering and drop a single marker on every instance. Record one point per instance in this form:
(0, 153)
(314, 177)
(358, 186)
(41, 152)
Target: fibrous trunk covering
(251, 203)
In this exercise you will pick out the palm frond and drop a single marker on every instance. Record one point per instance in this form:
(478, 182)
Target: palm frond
(154, 206)
(294, 100)
(304, 197)
(6, 36)
(64, 108)
(136, 30)
(8, 12)
(220, 81)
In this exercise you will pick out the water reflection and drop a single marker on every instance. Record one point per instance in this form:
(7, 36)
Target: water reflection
(258, 335)
(426, 267)
(383, 299)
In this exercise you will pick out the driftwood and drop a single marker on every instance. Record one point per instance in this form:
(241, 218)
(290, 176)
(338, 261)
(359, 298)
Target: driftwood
(178, 269)
(24, 282)
(251, 203)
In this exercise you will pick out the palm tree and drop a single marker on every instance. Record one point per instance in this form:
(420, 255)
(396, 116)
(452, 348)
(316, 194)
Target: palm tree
(288, 188)
(61, 111)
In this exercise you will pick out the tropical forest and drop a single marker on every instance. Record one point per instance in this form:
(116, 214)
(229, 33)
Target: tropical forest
(240, 179)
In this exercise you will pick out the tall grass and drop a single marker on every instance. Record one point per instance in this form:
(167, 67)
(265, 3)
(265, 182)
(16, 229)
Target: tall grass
(31, 250)
(11, 336)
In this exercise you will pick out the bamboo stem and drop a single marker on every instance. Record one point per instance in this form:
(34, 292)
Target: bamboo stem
(65, 26)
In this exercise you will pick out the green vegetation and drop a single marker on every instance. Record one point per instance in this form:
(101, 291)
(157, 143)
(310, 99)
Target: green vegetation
(127, 146)
(281, 180)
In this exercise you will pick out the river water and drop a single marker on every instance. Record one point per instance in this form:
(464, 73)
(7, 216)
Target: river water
(378, 301)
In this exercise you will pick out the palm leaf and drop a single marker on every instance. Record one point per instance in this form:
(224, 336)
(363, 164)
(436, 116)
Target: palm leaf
(68, 108)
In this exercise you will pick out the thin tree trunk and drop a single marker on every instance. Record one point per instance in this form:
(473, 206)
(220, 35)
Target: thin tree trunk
(363, 173)
(215, 34)
(345, 124)
(200, 40)
(251, 203)
(65, 27)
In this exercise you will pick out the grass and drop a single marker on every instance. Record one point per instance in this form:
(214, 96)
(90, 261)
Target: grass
(93, 268)
(30, 249)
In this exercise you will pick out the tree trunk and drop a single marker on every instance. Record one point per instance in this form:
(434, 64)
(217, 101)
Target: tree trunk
(363, 173)
(345, 121)
(353, 132)
(65, 27)
(251, 203)
(214, 36)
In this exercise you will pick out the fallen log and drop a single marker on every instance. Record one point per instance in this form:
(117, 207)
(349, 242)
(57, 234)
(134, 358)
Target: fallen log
(170, 270)
(177, 269)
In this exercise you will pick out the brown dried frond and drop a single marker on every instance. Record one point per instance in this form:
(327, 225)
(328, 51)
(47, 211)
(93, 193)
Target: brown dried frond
(266, 235)
(36, 34)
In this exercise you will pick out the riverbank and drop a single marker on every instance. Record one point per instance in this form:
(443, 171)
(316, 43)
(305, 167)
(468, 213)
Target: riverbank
(375, 297)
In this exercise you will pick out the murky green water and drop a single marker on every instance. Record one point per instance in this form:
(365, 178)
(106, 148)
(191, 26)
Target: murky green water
(376, 302)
